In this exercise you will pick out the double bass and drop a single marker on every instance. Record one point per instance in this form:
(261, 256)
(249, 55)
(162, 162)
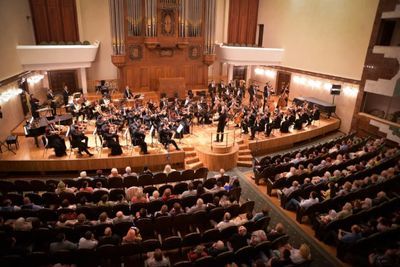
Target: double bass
(283, 98)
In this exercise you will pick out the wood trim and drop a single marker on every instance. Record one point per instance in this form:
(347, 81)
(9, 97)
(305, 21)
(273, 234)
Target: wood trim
(14, 78)
(379, 119)
(316, 74)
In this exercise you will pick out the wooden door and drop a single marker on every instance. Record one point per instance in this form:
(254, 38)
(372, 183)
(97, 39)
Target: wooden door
(239, 73)
(58, 78)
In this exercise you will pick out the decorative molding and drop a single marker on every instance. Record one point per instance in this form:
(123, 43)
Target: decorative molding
(135, 52)
(167, 22)
(194, 51)
(166, 52)
(118, 60)
(209, 59)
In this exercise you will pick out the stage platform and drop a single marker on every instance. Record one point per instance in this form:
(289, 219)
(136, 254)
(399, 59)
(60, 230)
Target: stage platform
(198, 149)
(29, 158)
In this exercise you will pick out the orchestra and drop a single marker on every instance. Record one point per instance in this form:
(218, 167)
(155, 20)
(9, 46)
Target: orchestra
(173, 118)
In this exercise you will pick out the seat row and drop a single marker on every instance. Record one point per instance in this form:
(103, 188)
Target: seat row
(134, 254)
(116, 182)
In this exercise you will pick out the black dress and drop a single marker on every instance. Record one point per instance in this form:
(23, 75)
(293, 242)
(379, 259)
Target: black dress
(56, 142)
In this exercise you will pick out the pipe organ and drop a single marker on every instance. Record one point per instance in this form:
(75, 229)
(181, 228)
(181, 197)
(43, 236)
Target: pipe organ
(162, 39)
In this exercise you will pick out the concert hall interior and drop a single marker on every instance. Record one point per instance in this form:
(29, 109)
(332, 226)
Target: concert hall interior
(200, 133)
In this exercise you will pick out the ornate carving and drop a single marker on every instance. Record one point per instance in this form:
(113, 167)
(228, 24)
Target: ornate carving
(194, 51)
(135, 52)
(118, 60)
(209, 59)
(166, 52)
(167, 22)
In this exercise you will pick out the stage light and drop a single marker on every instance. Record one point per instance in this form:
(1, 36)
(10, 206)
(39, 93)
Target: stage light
(350, 91)
(270, 73)
(259, 71)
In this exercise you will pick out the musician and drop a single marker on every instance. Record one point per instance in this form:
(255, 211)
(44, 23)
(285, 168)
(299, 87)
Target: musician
(79, 139)
(252, 91)
(34, 102)
(111, 139)
(221, 88)
(127, 93)
(255, 125)
(315, 114)
(222, 120)
(285, 126)
(78, 109)
(105, 102)
(55, 141)
(266, 94)
(104, 88)
(166, 137)
(138, 135)
(212, 88)
(66, 95)
(50, 100)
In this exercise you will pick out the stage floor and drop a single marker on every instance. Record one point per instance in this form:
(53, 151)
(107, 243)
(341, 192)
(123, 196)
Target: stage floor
(198, 144)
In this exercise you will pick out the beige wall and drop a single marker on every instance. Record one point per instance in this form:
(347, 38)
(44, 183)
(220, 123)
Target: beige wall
(94, 24)
(12, 112)
(324, 36)
(15, 29)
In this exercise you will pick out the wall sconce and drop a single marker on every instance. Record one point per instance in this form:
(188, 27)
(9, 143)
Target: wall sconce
(35, 78)
(350, 91)
(8, 94)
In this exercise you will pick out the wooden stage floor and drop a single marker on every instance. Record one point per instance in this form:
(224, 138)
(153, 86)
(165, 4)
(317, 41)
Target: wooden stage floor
(30, 158)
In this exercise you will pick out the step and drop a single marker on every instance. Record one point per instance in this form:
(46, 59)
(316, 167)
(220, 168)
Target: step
(190, 154)
(188, 148)
(245, 152)
(194, 166)
(245, 158)
(191, 160)
(244, 164)
(243, 146)
(240, 142)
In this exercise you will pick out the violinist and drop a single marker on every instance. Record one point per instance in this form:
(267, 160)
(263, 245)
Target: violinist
(166, 137)
(255, 126)
(34, 102)
(138, 135)
(111, 139)
(50, 100)
(79, 139)
(266, 94)
(55, 141)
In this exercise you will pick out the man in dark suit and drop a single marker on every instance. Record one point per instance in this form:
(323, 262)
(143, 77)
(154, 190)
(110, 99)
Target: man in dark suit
(127, 93)
(166, 137)
(266, 94)
(252, 91)
(221, 125)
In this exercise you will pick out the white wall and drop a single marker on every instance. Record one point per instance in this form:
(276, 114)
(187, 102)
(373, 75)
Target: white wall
(94, 24)
(16, 29)
(323, 36)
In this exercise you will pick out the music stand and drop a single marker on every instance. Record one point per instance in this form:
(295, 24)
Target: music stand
(179, 130)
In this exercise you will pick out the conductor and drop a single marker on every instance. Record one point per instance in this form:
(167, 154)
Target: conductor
(221, 125)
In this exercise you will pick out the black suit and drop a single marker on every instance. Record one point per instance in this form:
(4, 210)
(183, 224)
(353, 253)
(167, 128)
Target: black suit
(221, 126)
(165, 138)
(128, 94)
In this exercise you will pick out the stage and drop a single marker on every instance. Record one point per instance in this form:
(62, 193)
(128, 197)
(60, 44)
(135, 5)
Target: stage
(198, 149)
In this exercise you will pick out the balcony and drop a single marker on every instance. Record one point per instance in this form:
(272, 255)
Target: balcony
(53, 57)
(238, 55)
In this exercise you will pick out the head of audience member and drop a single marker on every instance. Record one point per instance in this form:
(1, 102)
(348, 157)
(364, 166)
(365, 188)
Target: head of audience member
(108, 232)
(81, 218)
(227, 217)
(103, 217)
(128, 171)
(200, 189)
(82, 175)
(155, 194)
(167, 169)
(242, 230)
(99, 173)
(114, 173)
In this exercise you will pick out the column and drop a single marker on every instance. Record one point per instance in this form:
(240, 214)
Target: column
(230, 72)
(83, 81)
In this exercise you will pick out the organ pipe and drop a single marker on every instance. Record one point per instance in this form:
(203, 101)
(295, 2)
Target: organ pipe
(117, 26)
(209, 27)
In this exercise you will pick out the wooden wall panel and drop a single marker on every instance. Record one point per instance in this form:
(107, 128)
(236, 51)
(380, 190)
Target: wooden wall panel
(243, 19)
(54, 20)
(69, 16)
(39, 18)
(242, 25)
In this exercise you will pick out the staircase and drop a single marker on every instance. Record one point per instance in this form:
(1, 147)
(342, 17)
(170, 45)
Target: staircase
(192, 161)
(245, 159)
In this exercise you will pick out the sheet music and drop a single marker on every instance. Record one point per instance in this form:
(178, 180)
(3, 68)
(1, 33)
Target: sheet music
(180, 128)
